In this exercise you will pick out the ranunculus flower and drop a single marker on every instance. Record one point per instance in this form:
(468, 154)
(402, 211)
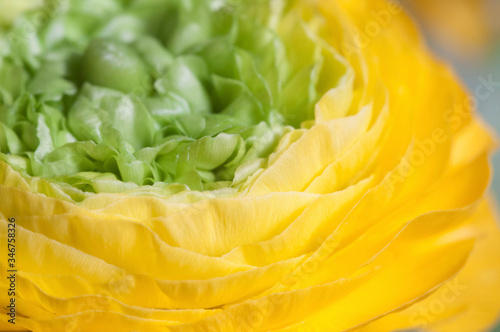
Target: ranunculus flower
(178, 165)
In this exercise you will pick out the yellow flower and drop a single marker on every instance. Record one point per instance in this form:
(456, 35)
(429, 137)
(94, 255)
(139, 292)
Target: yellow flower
(370, 217)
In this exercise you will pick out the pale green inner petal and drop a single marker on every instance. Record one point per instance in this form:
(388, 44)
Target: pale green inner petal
(154, 91)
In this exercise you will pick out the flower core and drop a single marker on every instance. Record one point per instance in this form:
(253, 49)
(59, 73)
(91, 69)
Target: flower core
(196, 93)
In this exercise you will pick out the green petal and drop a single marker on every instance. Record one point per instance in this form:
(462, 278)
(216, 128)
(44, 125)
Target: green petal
(112, 95)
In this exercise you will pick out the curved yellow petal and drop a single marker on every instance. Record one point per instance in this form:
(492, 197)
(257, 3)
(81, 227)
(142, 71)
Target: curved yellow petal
(469, 301)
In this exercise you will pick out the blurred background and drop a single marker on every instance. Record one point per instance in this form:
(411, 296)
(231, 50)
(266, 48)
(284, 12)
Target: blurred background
(467, 34)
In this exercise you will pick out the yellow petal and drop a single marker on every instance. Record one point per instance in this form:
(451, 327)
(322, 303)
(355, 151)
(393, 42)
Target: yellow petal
(470, 301)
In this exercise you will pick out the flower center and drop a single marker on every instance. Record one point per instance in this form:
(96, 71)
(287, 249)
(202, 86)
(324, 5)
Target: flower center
(148, 92)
